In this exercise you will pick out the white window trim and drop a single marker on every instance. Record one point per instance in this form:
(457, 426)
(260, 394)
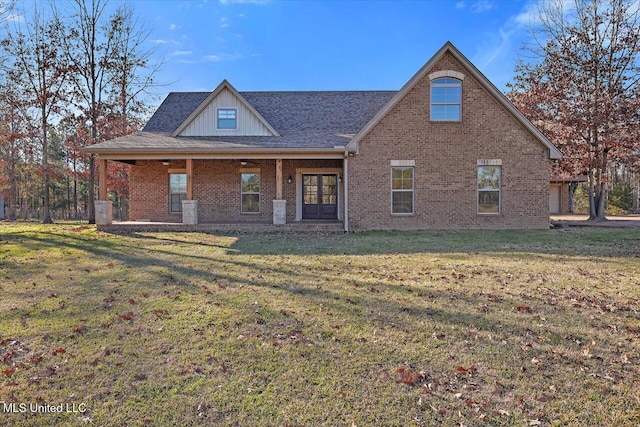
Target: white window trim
(489, 162)
(218, 119)
(409, 164)
(174, 172)
(259, 193)
(431, 103)
(446, 73)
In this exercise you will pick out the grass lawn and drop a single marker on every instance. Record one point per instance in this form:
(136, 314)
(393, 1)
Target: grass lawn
(468, 328)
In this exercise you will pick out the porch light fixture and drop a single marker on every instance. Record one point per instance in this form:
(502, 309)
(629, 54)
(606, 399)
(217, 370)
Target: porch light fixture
(339, 178)
(165, 162)
(289, 180)
(243, 162)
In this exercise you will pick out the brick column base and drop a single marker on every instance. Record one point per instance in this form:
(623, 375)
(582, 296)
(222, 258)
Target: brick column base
(279, 212)
(104, 212)
(190, 212)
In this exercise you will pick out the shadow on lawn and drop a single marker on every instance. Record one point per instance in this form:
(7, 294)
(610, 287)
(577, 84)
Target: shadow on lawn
(169, 262)
(385, 303)
(571, 242)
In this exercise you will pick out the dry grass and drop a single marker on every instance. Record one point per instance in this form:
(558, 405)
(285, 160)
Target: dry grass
(430, 328)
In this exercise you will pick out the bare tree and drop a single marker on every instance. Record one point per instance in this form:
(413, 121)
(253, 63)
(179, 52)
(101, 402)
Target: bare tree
(87, 50)
(582, 89)
(110, 70)
(35, 65)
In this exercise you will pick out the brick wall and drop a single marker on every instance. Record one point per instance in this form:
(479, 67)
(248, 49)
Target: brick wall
(216, 187)
(446, 156)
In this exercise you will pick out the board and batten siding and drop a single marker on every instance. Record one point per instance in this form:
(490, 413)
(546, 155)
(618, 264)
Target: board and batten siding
(205, 123)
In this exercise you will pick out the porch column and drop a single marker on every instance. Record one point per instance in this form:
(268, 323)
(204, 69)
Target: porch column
(104, 206)
(279, 204)
(102, 179)
(189, 206)
(345, 183)
(279, 179)
(189, 167)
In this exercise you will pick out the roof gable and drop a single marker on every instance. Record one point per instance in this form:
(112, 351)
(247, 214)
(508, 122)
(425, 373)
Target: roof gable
(554, 153)
(173, 111)
(201, 121)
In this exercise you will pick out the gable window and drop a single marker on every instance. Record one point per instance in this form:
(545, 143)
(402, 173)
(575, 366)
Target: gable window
(402, 190)
(446, 100)
(250, 193)
(177, 191)
(489, 184)
(227, 118)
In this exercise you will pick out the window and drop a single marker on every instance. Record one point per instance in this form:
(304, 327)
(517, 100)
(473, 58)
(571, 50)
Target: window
(489, 189)
(227, 119)
(402, 190)
(446, 100)
(177, 191)
(250, 193)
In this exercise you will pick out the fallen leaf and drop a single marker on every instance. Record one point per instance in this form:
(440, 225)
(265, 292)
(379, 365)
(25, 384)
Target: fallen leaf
(8, 371)
(126, 316)
(523, 308)
(545, 398)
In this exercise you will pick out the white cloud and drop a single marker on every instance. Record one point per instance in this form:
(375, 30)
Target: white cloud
(481, 6)
(13, 17)
(222, 57)
(181, 53)
(159, 41)
(173, 27)
(224, 22)
(218, 57)
(477, 6)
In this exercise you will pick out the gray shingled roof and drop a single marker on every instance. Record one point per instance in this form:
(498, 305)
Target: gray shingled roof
(342, 112)
(149, 142)
(174, 110)
(305, 120)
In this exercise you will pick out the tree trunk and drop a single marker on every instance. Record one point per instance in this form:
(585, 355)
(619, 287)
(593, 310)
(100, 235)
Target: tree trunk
(13, 190)
(75, 191)
(573, 186)
(592, 197)
(46, 213)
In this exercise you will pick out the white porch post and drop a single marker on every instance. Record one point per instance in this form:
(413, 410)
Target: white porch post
(189, 206)
(104, 206)
(279, 204)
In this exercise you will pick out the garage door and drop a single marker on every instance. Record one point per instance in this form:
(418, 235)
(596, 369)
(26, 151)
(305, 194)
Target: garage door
(554, 199)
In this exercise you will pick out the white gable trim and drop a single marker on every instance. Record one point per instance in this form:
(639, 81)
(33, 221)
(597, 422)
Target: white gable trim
(222, 86)
(554, 153)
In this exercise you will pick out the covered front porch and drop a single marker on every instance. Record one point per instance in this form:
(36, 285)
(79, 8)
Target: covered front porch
(244, 193)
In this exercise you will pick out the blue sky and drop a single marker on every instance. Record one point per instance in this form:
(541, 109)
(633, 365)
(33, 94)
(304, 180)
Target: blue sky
(325, 45)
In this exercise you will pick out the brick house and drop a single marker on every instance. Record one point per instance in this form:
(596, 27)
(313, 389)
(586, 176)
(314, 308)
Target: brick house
(448, 150)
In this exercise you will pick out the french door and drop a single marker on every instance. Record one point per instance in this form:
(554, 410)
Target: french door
(319, 196)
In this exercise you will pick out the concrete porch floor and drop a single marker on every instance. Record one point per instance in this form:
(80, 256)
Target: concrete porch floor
(123, 227)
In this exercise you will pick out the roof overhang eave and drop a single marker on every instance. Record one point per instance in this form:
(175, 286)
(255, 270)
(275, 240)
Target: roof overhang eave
(221, 153)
